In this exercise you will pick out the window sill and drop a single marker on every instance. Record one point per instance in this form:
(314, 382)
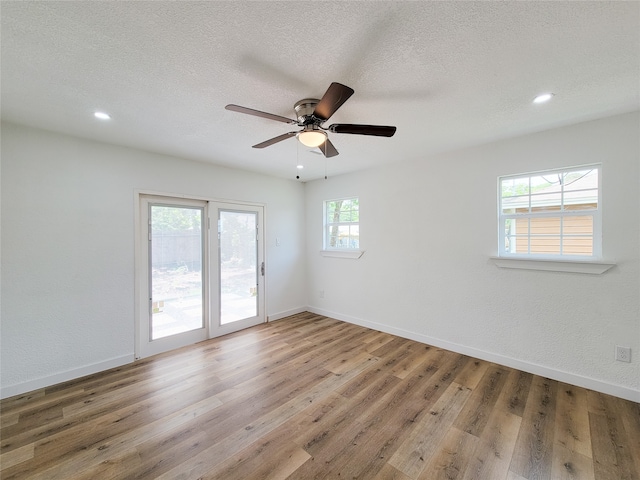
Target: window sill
(593, 268)
(354, 254)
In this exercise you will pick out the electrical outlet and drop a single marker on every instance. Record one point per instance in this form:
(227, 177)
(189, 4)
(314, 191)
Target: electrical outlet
(623, 354)
(321, 293)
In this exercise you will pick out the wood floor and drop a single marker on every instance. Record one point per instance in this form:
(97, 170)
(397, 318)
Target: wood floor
(311, 397)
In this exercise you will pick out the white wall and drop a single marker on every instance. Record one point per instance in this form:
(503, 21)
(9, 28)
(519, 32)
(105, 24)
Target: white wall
(68, 248)
(429, 227)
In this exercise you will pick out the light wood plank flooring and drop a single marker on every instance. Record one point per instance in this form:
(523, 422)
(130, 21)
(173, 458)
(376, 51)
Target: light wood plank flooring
(311, 397)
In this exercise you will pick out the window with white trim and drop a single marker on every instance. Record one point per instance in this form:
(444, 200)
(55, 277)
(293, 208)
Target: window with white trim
(342, 224)
(554, 214)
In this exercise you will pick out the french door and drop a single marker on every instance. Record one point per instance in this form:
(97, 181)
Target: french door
(200, 271)
(239, 268)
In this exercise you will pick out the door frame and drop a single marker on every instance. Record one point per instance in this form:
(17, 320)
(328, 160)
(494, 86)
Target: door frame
(141, 264)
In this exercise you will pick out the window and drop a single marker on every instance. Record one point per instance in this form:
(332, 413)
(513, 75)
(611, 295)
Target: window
(552, 214)
(341, 224)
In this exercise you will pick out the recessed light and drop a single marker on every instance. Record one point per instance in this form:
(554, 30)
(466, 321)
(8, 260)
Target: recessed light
(102, 115)
(300, 167)
(543, 97)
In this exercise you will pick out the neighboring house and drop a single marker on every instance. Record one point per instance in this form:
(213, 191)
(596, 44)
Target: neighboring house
(542, 235)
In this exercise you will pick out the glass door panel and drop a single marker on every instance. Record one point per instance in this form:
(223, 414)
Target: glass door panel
(176, 273)
(238, 247)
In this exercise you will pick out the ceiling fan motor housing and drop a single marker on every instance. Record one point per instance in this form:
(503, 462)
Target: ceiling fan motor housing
(304, 111)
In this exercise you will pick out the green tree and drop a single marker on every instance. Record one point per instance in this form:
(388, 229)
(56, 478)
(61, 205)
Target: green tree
(341, 211)
(175, 219)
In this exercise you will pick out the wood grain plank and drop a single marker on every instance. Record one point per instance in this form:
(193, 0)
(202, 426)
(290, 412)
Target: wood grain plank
(472, 373)
(370, 439)
(409, 403)
(452, 457)
(515, 476)
(17, 401)
(341, 421)
(162, 453)
(115, 467)
(630, 415)
(414, 453)
(595, 403)
(407, 365)
(348, 360)
(572, 420)
(475, 414)
(378, 341)
(389, 472)
(570, 465)
(532, 456)
(270, 457)
(391, 350)
(515, 392)
(9, 419)
(17, 456)
(605, 462)
(612, 457)
(42, 402)
(493, 454)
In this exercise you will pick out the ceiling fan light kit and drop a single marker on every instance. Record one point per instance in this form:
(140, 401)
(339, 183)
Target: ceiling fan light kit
(312, 137)
(311, 113)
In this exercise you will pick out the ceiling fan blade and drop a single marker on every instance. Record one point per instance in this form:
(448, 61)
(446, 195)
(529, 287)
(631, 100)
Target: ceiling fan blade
(375, 130)
(332, 100)
(327, 149)
(277, 139)
(258, 113)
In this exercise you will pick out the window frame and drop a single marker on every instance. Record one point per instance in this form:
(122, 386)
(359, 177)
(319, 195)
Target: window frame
(326, 225)
(594, 213)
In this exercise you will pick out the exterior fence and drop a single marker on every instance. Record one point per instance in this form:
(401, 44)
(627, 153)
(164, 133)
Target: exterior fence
(176, 249)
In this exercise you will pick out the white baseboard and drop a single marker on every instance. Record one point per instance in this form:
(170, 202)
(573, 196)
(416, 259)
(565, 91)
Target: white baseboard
(287, 313)
(29, 386)
(541, 370)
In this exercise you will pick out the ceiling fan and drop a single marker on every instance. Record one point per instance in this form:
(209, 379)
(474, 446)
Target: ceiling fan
(311, 114)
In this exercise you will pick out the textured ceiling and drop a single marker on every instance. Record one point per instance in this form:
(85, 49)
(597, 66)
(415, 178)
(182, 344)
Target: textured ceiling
(447, 74)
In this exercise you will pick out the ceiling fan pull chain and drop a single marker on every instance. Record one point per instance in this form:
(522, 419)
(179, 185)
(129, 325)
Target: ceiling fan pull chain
(326, 146)
(297, 160)
(325, 167)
